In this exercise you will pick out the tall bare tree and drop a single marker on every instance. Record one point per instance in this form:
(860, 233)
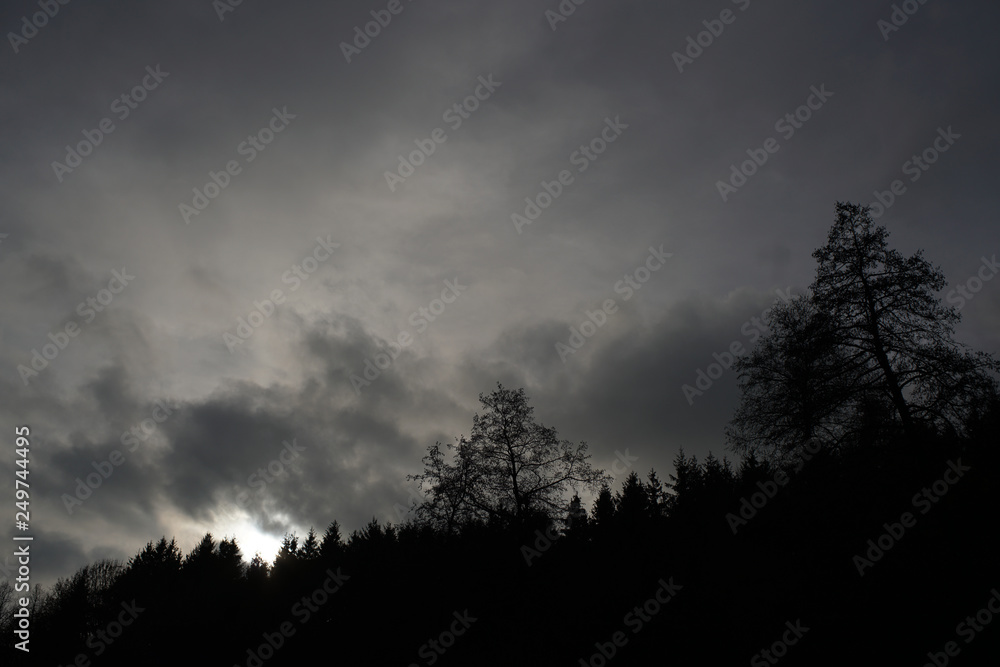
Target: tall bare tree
(897, 336)
(870, 349)
(509, 469)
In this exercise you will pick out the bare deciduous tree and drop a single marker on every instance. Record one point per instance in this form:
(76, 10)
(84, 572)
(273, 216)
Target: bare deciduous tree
(509, 469)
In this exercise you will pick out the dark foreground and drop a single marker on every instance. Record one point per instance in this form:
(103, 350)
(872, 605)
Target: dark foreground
(636, 586)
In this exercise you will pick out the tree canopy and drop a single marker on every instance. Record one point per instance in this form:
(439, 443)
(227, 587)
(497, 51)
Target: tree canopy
(510, 470)
(870, 351)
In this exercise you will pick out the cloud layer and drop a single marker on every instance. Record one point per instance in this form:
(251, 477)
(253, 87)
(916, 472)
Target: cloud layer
(192, 95)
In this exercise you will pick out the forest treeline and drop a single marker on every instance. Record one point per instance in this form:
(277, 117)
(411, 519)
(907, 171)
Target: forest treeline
(857, 525)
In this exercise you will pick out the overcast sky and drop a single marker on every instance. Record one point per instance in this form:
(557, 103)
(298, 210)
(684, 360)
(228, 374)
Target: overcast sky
(300, 116)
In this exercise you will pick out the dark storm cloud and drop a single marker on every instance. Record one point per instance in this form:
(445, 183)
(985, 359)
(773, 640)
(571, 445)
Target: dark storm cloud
(323, 175)
(636, 374)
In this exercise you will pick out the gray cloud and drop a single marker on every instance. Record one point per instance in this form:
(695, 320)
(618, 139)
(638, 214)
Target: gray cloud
(161, 338)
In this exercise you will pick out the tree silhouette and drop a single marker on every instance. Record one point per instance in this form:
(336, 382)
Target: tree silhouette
(286, 558)
(871, 349)
(656, 496)
(509, 471)
(898, 336)
(684, 482)
(229, 560)
(794, 385)
(78, 604)
(310, 546)
(795, 532)
(202, 561)
(156, 568)
(158, 560)
(576, 516)
(7, 602)
(256, 572)
(603, 511)
(718, 474)
(632, 502)
(331, 548)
